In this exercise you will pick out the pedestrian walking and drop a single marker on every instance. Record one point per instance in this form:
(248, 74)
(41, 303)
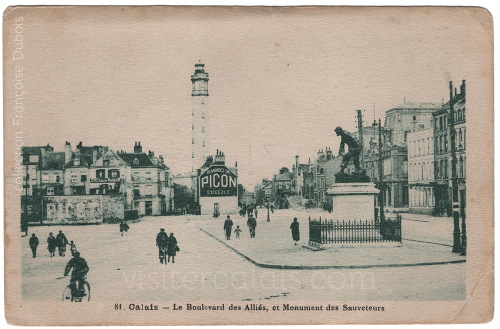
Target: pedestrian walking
(61, 243)
(272, 209)
(237, 232)
(172, 248)
(295, 230)
(256, 213)
(123, 227)
(51, 244)
(72, 248)
(252, 224)
(33, 244)
(228, 227)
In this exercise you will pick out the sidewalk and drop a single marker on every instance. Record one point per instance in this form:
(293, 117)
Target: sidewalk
(273, 248)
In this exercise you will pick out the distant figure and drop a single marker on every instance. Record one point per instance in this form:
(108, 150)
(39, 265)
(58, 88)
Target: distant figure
(354, 149)
(272, 209)
(256, 213)
(72, 248)
(228, 227)
(249, 211)
(123, 227)
(61, 243)
(33, 244)
(237, 232)
(172, 248)
(295, 230)
(252, 224)
(51, 244)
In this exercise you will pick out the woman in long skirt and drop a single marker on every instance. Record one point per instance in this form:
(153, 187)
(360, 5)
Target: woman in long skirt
(295, 230)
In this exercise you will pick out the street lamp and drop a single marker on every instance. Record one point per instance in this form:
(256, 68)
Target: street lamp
(267, 205)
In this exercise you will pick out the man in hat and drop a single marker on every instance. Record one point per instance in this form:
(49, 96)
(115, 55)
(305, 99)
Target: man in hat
(162, 242)
(354, 149)
(228, 227)
(33, 244)
(62, 241)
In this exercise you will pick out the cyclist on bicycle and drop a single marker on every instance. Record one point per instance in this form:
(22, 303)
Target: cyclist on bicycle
(80, 269)
(162, 242)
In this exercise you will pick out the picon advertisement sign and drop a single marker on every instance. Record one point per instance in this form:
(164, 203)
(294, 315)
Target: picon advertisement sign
(218, 181)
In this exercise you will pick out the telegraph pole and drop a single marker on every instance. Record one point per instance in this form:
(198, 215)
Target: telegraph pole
(457, 246)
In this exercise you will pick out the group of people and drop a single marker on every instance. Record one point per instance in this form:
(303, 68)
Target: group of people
(166, 244)
(53, 242)
(228, 227)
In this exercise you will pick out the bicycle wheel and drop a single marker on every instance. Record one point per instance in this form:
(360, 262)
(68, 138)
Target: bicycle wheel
(67, 296)
(86, 286)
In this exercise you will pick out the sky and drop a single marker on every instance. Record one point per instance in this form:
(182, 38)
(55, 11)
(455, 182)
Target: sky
(280, 81)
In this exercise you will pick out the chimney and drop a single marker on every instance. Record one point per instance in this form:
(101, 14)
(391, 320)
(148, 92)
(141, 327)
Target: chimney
(95, 153)
(297, 163)
(161, 160)
(137, 147)
(67, 152)
(220, 158)
(78, 149)
(462, 87)
(455, 91)
(329, 154)
(151, 154)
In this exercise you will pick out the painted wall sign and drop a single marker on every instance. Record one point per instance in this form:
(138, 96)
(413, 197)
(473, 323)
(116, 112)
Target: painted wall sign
(218, 181)
(104, 180)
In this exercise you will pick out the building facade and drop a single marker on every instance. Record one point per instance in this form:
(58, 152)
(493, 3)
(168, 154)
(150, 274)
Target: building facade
(217, 187)
(442, 147)
(421, 172)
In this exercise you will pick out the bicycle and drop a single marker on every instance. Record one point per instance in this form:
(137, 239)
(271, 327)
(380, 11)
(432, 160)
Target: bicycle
(68, 293)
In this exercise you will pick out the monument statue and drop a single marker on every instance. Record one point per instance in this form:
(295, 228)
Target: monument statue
(354, 154)
(354, 149)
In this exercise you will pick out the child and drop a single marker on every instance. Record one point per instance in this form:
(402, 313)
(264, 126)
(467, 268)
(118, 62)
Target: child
(237, 231)
(72, 248)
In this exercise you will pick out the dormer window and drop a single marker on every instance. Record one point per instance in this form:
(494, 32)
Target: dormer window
(105, 162)
(77, 161)
(135, 162)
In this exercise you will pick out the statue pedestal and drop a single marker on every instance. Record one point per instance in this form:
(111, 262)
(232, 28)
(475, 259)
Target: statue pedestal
(353, 201)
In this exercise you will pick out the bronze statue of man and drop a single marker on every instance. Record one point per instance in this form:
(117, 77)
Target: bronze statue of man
(354, 149)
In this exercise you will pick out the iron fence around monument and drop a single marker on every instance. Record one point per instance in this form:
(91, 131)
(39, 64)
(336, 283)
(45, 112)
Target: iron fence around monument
(330, 231)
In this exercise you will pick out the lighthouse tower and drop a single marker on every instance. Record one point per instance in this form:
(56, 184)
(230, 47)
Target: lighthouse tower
(200, 117)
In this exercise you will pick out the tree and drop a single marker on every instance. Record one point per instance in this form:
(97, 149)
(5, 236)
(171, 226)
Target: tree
(183, 196)
(284, 170)
(241, 190)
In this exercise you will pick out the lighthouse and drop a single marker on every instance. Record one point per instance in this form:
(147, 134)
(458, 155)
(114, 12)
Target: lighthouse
(200, 117)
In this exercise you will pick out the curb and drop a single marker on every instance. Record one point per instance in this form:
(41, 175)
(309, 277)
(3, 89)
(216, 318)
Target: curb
(324, 267)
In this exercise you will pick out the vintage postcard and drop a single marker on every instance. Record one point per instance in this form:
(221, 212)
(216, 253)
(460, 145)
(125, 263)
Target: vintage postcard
(248, 165)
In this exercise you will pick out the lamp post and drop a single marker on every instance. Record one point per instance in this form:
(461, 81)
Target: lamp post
(380, 175)
(457, 245)
(267, 204)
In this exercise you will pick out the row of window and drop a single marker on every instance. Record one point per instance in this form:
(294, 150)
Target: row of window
(442, 141)
(202, 115)
(421, 171)
(441, 122)
(420, 147)
(422, 197)
(443, 170)
(202, 143)
(202, 128)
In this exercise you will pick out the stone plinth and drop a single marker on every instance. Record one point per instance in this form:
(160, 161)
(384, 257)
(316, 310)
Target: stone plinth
(353, 201)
